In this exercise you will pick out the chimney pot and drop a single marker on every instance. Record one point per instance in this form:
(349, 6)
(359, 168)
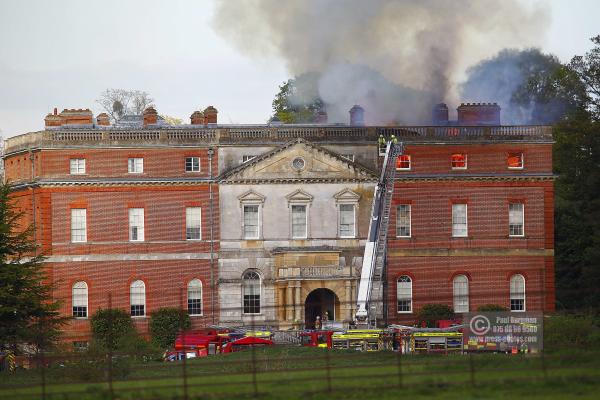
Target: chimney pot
(150, 116)
(197, 118)
(357, 116)
(210, 115)
(321, 117)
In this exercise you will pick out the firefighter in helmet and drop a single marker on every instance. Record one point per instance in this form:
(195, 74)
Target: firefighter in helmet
(394, 139)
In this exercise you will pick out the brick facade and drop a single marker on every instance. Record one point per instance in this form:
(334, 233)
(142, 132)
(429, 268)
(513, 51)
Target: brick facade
(108, 261)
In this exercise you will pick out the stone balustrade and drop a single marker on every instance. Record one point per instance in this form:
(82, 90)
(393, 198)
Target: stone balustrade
(313, 272)
(265, 134)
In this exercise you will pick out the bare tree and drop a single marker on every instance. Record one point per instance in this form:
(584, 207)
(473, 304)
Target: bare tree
(119, 102)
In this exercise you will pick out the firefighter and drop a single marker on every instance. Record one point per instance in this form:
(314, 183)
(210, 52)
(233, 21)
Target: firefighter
(318, 323)
(393, 139)
(381, 143)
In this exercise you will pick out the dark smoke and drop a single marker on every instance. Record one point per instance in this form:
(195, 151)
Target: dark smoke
(395, 58)
(515, 79)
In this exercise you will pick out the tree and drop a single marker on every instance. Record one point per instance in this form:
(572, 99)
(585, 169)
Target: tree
(111, 328)
(165, 324)
(298, 100)
(587, 69)
(28, 314)
(120, 102)
(577, 189)
(172, 120)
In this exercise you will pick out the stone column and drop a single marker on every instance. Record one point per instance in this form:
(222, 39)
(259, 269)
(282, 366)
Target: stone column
(289, 302)
(349, 300)
(298, 301)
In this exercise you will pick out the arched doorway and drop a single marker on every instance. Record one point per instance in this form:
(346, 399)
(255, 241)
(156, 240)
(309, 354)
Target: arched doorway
(323, 303)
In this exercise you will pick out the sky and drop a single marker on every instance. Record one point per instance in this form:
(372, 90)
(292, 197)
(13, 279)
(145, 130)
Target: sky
(64, 53)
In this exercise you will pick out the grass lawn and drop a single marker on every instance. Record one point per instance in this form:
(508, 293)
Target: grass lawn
(309, 373)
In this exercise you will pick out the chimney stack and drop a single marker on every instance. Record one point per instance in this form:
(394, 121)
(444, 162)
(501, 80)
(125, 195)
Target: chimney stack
(440, 114)
(321, 117)
(103, 119)
(210, 115)
(53, 119)
(197, 118)
(478, 114)
(150, 116)
(357, 116)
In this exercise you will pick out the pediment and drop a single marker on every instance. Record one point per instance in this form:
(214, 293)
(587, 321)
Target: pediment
(347, 196)
(296, 161)
(299, 196)
(251, 197)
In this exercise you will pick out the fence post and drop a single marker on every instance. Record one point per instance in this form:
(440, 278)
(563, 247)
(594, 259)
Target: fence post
(181, 329)
(544, 366)
(254, 382)
(399, 364)
(472, 369)
(328, 368)
(110, 349)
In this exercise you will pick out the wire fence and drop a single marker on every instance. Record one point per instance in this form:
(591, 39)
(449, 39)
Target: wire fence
(285, 369)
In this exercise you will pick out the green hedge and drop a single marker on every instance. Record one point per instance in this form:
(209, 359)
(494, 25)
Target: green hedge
(165, 324)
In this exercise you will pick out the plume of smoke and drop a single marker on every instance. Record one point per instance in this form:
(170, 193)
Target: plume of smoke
(505, 78)
(396, 58)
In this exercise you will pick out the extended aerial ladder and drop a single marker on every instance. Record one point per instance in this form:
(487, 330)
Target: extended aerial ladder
(370, 290)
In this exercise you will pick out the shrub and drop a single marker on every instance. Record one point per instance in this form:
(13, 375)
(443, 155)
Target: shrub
(165, 324)
(570, 332)
(431, 313)
(491, 308)
(110, 327)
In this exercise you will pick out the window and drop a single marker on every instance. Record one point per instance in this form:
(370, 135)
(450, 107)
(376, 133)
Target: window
(403, 220)
(193, 223)
(247, 157)
(404, 293)
(136, 224)
(515, 160)
(80, 300)
(349, 157)
(251, 292)
(298, 163)
(299, 221)
(516, 219)
(461, 294)
(194, 296)
(78, 225)
(135, 165)
(192, 164)
(251, 222)
(517, 293)
(459, 220)
(403, 162)
(459, 161)
(77, 166)
(137, 299)
(347, 221)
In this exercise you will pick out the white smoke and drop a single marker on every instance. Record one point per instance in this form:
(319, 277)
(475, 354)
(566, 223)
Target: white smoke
(395, 58)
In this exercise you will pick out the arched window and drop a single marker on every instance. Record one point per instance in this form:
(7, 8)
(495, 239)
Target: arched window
(137, 298)
(517, 293)
(194, 297)
(461, 294)
(404, 293)
(251, 292)
(80, 300)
